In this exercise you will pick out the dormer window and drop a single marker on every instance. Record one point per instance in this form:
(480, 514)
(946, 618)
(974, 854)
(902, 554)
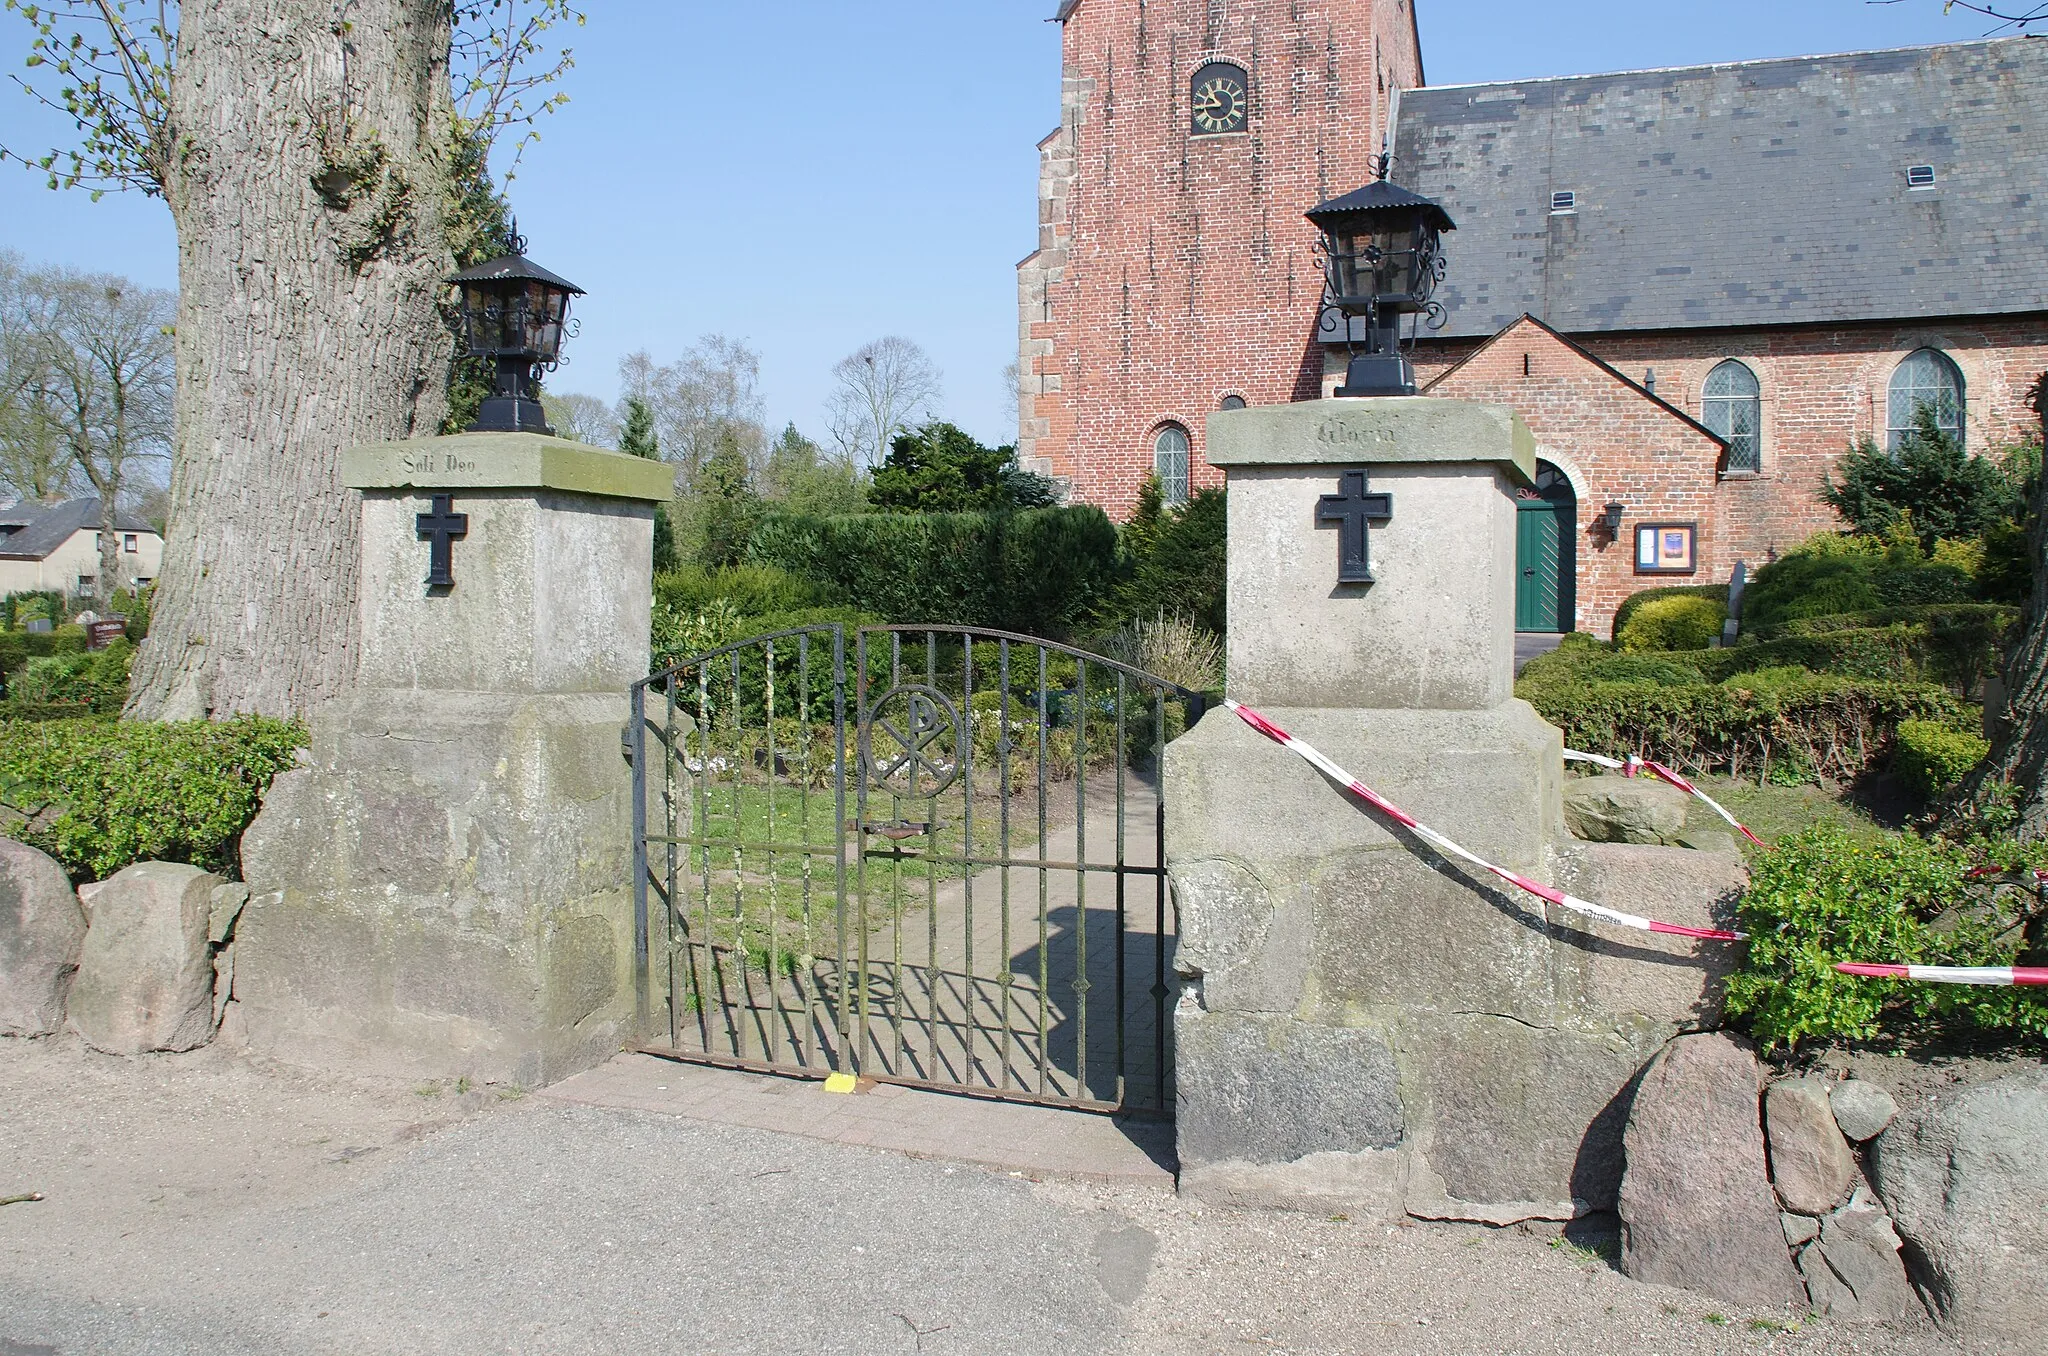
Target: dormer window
(1919, 176)
(1564, 203)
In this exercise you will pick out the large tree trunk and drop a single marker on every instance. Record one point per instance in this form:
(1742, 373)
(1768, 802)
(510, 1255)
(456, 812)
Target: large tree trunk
(309, 200)
(2019, 758)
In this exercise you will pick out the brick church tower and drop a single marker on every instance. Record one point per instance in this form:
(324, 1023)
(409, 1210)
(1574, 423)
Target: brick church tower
(1174, 271)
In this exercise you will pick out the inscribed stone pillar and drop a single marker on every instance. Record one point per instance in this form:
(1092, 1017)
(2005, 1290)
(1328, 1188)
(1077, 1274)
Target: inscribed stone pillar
(445, 890)
(1364, 1025)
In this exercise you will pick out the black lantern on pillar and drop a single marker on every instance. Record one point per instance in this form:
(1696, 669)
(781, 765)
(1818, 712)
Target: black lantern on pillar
(515, 313)
(1382, 259)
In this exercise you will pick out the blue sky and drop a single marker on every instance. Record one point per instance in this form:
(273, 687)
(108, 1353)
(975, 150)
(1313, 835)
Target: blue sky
(811, 174)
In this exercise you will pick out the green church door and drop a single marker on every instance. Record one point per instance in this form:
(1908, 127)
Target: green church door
(1545, 564)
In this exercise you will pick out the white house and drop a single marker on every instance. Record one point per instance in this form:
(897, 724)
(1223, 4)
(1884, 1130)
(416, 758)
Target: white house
(56, 547)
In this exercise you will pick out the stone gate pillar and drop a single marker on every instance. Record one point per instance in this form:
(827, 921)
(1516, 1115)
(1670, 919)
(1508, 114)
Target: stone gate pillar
(446, 889)
(1363, 1025)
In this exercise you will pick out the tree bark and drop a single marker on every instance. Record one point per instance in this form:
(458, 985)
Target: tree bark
(309, 191)
(2019, 757)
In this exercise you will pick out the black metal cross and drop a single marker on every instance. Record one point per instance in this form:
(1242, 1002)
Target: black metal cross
(441, 528)
(1351, 508)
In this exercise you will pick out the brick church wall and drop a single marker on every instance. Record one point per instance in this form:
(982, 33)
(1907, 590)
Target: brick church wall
(1173, 271)
(1822, 389)
(1615, 444)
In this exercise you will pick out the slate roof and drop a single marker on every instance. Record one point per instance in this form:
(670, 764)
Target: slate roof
(51, 528)
(1755, 193)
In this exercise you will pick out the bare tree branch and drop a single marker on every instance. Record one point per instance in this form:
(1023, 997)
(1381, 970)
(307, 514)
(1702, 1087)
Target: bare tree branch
(885, 387)
(2015, 17)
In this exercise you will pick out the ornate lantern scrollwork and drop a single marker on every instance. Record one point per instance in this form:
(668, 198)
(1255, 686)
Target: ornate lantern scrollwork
(1382, 255)
(515, 313)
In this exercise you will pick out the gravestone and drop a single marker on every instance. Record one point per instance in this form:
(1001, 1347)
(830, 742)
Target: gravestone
(445, 890)
(1364, 1025)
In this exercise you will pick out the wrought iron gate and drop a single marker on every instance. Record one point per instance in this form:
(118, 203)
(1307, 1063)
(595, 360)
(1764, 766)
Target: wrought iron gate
(920, 855)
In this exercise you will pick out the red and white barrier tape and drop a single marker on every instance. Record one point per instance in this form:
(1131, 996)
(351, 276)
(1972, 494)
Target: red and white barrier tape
(1446, 846)
(1950, 974)
(1634, 765)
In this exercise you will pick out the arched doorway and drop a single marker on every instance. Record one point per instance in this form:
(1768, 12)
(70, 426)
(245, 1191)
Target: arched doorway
(1546, 556)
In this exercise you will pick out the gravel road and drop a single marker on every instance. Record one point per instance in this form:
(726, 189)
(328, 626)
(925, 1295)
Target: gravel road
(207, 1203)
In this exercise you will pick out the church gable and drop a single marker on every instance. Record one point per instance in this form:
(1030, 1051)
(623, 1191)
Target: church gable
(1557, 384)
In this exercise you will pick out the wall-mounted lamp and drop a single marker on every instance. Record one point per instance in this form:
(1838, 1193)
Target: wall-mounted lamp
(1613, 519)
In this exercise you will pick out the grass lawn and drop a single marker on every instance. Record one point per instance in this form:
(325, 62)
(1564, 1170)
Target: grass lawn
(1774, 811)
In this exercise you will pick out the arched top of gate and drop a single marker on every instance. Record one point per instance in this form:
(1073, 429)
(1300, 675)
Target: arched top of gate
(835, 630)
(1037, 642)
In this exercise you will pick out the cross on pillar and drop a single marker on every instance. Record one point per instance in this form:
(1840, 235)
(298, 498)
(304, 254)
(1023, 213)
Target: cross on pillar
(441, 528)
(1351, 508)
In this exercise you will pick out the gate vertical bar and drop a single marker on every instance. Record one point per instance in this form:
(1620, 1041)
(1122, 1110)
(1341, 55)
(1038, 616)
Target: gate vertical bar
(670, 909)
(636, 744)
(1159, 888)
(845, 1059)
(1044, 964)
(1081, 982)
(1121, 693)
(1006, 978)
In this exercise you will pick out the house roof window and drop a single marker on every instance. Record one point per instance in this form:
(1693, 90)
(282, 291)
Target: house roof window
(1563, 202)
(1919, 176)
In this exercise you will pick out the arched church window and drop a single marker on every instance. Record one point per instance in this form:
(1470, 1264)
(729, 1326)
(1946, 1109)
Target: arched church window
(1170, 462)
(1926, 379)
(1232, 402)
(1731, 404)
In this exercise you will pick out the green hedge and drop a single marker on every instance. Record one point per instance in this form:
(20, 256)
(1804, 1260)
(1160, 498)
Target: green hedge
(752, 590)
(1831, 575)
(1951, 644)
(18, 647)
(96, 681)
(1717, 593)
(1672, 623)
(1933, 757)
(1039, 572)
(1819, 897)
(1783, 724)
(99, 795)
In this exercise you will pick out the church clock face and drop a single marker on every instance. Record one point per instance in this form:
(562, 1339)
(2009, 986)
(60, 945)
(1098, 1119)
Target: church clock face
(1217, 99)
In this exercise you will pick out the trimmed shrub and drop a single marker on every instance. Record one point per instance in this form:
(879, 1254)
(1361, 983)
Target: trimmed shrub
(750, 589)
(1038, 572)
(1595, 663)
(1683, 622)
(1933, 757)
(1819, 897)
(18, 647)
(1716, 592)
(94, 681)
(1829, 574)
(1777, 722)
(99, 795)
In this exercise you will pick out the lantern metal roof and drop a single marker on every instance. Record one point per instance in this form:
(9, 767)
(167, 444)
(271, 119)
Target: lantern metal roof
(513, 268)
(1379, 196)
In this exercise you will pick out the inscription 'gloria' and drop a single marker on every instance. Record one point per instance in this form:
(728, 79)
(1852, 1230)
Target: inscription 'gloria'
(1337, 431)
